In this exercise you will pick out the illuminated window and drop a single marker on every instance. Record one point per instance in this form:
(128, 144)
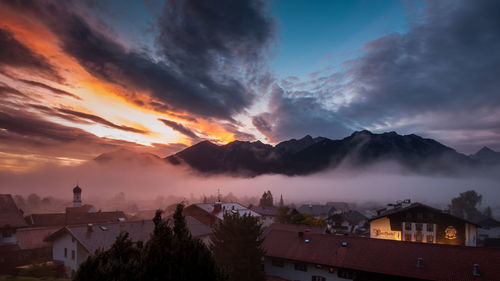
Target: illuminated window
(430, 238)
(331, 270)
(318, 278)
(418, 226)
(407, 225)
(278, 262)
(430, 227)
(319, 266)
(301, 266)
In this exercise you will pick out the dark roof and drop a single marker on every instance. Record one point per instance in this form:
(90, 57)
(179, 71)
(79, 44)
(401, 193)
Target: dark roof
(75, 218)
(275, 278)
(316, 210)
(294, 228)
(354, 217)
(104, 235)
(10, 216)
(440, 262)
(339, 205)
(77, 189)
(415, 205)
(489, 223)
(33, 238)
(265, 211)
(56, 219)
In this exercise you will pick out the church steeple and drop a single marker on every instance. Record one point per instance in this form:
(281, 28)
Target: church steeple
(77, 196)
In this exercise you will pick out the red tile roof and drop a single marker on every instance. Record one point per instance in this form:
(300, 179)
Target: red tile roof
(440, 262)
(33, 238)
(275, 278)
(76, 218)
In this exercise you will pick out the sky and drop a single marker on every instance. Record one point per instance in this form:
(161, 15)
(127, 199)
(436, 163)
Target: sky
(80, 78)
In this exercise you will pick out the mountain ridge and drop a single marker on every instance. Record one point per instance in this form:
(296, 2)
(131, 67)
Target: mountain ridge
(310, 155)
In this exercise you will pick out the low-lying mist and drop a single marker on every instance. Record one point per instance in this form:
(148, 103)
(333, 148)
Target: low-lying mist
(381, 184)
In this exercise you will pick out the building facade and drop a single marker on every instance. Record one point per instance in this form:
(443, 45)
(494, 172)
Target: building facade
(421, 223)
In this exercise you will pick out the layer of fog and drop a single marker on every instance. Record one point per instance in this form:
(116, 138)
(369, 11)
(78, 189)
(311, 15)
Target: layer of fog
(144, 183)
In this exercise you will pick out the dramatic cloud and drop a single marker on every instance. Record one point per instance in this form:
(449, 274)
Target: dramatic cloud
(439, 79)
(208, 56)
(100, 120)
(15, 54)
(51, 89)
(295, 117)
(180, 128)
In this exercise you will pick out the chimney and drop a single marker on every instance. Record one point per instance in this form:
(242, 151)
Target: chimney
(90, 228)
(475, 270)
(420, 262)
(217, 207)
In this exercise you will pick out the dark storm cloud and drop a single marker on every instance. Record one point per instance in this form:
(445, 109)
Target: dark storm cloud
(440, 78)
(203, 48)
(15, 54)
(295, 117)
(180, 128)
(100, 120)
(450, 62)
(51, 89)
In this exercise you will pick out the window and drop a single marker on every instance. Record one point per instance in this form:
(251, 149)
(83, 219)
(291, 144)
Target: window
(430, 227)
(301, 266)
(430, 238)
(418, 236)
(407, 225)
(318, 278)
(65, 252)
(408, 237)
(73, 254)
(331, 270)
(346, 274)
(7, 233)
(278, 262)
(418, 226)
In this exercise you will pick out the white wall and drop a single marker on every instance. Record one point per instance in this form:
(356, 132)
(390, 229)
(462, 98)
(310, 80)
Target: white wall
(289, 272)
(381, 229)
(470, 235)
(66, 241)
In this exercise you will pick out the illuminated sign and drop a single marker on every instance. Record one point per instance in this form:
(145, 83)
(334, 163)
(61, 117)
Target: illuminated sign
(450, 233)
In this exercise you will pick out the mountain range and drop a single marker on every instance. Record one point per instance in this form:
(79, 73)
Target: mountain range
(309, 155)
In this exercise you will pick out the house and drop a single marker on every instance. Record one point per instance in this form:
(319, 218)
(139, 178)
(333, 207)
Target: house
(19, 244)
(421, 223)
(267, 214)
(211, 214)
(73, 244)
(78, 214)
(489, 233)
(349, 222)
(306, 256)
(11, 218)
(317, 211)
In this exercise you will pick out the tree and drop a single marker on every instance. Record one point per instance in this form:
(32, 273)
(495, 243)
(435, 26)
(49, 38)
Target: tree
(281, 201)
(170, 254)
(266, 200)
(464, 205)
(237, 247)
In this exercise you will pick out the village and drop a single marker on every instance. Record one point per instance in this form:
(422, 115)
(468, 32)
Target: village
(403, 241)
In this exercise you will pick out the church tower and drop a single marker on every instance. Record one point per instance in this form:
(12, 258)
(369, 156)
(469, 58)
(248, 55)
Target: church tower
(77, 196)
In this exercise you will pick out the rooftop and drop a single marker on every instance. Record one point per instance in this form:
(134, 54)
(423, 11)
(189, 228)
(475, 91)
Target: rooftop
(440, 262)
(232, 207)
(10, 215)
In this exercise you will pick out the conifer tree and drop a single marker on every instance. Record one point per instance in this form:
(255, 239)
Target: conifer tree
(236, 244)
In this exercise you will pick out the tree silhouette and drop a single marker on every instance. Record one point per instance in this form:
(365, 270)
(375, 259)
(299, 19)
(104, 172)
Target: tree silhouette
(236, 244)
